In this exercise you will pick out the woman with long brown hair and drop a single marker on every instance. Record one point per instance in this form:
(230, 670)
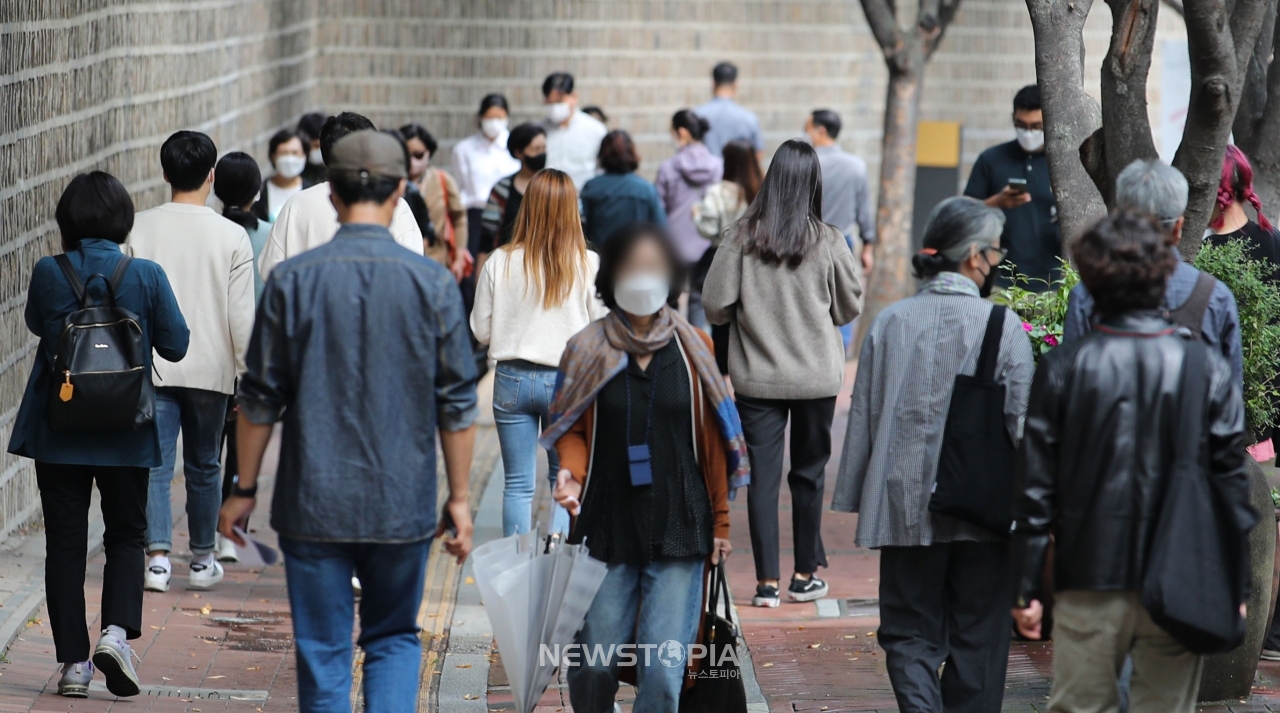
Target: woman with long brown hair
(533, 294)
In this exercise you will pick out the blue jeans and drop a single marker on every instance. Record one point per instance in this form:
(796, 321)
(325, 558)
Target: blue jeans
(318, 575)
(639, 604)
(201, 416)
(522, 394)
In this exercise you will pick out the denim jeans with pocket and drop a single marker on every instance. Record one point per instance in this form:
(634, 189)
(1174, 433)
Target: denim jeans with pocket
(200, 415)
(645, 605)
(522, 393)
(318, 575)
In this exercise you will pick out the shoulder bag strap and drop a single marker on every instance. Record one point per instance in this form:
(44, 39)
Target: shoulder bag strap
(1191, 403)
(448, 219)
(77, 287)
(990, 353)
(1190, 314)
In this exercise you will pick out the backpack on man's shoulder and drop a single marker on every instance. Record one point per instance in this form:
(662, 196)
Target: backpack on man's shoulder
(100, 381)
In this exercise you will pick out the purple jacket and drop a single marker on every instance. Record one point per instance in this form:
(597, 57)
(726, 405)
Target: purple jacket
(682, 180)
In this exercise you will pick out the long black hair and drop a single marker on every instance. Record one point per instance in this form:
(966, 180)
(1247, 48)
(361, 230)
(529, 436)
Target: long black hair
(784, 222)
(237, 182)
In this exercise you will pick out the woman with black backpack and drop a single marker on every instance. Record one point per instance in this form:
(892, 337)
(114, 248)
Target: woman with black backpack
(88, 416)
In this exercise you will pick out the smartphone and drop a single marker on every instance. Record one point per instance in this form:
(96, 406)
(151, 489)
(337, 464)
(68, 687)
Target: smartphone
(1018, 185)
(450, 527)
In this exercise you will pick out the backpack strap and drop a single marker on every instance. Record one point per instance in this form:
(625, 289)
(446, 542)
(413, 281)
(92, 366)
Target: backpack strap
(1191, 313)
(73, 278)
(118, 275)
(990, 353)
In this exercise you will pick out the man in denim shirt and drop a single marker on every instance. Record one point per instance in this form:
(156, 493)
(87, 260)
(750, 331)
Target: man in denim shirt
(361, 348)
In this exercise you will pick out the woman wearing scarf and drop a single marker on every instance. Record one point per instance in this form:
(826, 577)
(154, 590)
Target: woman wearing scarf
(650, 452)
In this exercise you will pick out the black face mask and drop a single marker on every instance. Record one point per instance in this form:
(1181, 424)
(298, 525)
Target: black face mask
(989, 284)
(536, 163)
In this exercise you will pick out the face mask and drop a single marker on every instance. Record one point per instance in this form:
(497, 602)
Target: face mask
(560, 111)
(290, 166)
(315, 157)
(1030, 141)
(642, 295)
(536, 163)
(493, 128)
(989, 284)
(418, 166)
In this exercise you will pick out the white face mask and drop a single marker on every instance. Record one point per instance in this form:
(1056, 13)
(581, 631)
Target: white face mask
(493, 128)
(1030, 141)
(418, 166)
(290, 166)
(315, 157)
(560, 111)
(643, 294)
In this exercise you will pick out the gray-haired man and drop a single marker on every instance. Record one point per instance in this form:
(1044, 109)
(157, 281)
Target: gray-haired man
(1193, 299)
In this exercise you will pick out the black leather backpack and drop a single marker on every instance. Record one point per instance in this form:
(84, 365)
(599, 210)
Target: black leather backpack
(100, 379)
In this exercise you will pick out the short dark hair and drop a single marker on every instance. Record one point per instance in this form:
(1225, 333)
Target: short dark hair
(618, 153)
(521, 136)
(94, 205)
(354, 189)
(311, 124)
(237, 182)
(828, 120)
(1124, 261)
(418, 131)
(724, 73)
(1027, 98)
(336, 127)
(282, 137)
(187, 157)
(597, 112)
(689, 121)
(617, 248)
(557, 82)
(490, 101)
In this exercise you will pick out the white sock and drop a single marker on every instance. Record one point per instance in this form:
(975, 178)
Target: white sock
(205, 559)
(161, 561)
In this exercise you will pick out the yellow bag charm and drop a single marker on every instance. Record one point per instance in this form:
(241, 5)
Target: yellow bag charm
(67, 389)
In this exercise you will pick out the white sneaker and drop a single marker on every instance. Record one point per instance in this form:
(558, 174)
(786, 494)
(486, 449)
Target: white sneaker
(227, 550)
(204, 576)
(156, 578)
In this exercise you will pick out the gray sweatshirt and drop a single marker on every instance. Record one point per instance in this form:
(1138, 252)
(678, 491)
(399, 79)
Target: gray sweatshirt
(783, 339)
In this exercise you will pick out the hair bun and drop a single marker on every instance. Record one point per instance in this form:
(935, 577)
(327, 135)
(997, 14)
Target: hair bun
(927, 265)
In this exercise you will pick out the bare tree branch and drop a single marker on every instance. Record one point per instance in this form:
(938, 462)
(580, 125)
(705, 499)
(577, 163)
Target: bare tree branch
(884, 27)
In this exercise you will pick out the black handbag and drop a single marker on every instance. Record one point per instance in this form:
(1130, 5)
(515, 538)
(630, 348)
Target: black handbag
(976, 464)
(717, 684)
(100, 380)
(1196, 567)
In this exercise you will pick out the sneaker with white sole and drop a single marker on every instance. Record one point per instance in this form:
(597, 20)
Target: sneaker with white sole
(75, 679)
(114, 658)
(156, 578)
(204, 576)
(806, 590)
(766, 596)
(1269, 654)
(227, 550)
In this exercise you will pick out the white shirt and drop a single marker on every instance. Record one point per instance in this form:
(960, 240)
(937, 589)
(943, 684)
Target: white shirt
(309, 220)
(209, 262)
(511, 319)
(277, 197)
(574, 148)
(479, 164)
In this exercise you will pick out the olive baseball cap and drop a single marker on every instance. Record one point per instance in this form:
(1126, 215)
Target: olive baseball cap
(368, 154)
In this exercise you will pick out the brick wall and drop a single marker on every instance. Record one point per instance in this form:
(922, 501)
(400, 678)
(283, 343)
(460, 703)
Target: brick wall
(99, 83)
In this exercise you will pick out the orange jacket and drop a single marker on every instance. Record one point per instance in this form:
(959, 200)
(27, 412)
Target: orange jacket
(576, 445)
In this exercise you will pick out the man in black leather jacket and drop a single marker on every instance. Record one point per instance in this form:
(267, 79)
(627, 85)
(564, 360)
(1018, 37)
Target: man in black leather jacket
(1094, 461)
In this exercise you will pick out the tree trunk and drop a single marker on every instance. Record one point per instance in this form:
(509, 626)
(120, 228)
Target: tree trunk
(893, 277)
(1070, 115)
(1125, 126)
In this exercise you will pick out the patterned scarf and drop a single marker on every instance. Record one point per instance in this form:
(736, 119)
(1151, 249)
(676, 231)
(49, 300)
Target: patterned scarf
(599, 353)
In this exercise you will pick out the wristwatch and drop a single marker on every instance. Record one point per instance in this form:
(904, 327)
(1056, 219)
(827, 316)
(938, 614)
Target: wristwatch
(240, 492)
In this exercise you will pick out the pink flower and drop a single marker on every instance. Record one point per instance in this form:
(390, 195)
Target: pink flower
(1027, 326)
(1051, 340)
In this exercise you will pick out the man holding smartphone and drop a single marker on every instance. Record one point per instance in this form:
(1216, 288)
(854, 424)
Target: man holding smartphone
(1014, 177)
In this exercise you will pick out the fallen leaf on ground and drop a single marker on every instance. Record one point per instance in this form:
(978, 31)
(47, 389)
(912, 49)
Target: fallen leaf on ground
(471, 580)
(767, 665)
(815, 646)
(211, 678)
(195, 596)
(851, 636)
(254, 668)
(464, 665)
(206, 610)
(471, 697)
(165, 678)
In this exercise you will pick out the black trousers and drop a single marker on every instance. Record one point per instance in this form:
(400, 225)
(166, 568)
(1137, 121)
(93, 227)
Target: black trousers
(764, 423)
(65, 492)
(946, 603)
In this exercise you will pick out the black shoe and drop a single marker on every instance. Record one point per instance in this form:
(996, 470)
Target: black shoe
(807, 590)
(766, 596)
